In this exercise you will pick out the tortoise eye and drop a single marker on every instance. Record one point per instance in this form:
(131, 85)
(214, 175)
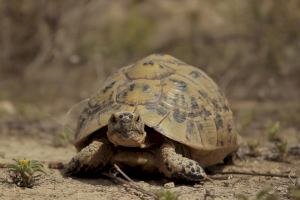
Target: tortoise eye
(113, 119)
(138, 118)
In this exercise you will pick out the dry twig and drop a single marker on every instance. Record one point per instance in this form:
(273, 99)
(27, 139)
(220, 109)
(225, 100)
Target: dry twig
(119, 170)
(130, 182)
(256, 174)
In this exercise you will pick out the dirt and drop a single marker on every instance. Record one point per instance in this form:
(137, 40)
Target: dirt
(34, 137)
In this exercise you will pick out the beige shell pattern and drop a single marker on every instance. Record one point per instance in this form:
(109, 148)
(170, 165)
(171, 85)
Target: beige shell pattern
(176, 99)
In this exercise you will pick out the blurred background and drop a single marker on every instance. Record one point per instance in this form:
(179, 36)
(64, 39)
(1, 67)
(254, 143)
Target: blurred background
(54, 54)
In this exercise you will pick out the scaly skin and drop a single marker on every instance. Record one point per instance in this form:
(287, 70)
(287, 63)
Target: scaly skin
(91, 158)
(174, 165)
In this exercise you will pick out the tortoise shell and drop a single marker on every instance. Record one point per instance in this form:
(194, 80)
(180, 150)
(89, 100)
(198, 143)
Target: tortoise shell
(176, 99)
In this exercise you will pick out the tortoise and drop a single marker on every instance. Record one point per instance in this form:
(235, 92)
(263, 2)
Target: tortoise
(159, 114)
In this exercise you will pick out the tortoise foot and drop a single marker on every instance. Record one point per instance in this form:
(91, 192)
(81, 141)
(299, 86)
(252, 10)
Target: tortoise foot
(91, 158)
(174, 165)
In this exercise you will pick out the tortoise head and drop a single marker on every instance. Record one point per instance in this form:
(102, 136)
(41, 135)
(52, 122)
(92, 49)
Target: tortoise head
(126, 129)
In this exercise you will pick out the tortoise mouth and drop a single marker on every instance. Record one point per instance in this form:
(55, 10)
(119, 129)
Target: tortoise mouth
(130, 139)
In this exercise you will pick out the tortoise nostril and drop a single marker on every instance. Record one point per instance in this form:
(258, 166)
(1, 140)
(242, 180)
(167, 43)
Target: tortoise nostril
(130, 116)
(121, 116)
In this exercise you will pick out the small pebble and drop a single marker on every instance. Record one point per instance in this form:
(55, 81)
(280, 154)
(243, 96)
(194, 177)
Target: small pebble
(254, 179)
(3, 162)
(7, 107)
(198, 186)
(55, 165)
(169, 185)
(275, 171)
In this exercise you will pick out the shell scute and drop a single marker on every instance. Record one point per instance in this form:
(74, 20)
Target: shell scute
(138, 92)
(151, 68)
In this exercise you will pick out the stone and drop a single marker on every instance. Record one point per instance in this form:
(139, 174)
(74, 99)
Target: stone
(169, 185)
(275, 171)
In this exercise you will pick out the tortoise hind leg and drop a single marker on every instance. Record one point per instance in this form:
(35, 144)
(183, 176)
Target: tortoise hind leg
(91, 158)
(175, 165)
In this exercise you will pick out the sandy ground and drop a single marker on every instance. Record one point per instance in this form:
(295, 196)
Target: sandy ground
(31, 139)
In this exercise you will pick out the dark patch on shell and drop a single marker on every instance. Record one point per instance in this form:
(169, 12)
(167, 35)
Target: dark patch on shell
(180, 62)
(131, 87)
(199, 126)
(146, 87)
(161, 111)
(180, 85)
(148, 63)
(193, 115)
(194, 103)
(81, 122)
(85, 110)
(225, 108)
(182, 99)
(160, 54)
(203, 113)
(161, 66)
(117, 107)
(111, 95)
(124, 95)
(219, 120)
(190, 127)
(187, 138)
(109, 86)
(203, 93)
(159, 129)
(150, 106)
(216, 104)
(222, 143)
(229, 127)
(178, 117)
(95, 109)
(118, 95)
(167, 99)
(221, 93)
(195, 74)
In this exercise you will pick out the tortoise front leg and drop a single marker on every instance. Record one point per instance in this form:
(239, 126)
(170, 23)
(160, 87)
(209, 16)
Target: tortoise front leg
(175, 165)
(91, 158)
